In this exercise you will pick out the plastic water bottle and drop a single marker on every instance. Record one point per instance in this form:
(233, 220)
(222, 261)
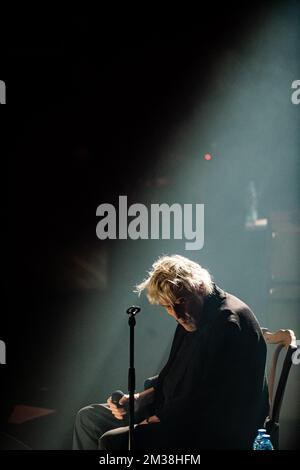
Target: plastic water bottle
(262, 441)
(266, 444)
(258, 439)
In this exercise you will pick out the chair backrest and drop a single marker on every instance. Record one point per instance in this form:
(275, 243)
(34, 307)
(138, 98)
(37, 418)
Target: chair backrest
(283, 339)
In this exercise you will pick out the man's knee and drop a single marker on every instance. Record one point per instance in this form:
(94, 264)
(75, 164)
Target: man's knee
(84, 416)
(90, 423)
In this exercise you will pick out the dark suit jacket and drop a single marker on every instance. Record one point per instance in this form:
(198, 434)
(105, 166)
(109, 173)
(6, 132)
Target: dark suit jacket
(218, 394)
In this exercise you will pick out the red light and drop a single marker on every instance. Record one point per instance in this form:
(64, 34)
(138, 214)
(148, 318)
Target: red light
(207, 157)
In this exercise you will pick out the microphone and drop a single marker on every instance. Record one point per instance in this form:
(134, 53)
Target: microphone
(133, 310)
(116, 397)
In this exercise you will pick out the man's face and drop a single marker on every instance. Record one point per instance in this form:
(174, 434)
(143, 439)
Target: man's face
(187, 322)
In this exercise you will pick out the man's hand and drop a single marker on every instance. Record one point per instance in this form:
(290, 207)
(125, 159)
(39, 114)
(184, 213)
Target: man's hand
(152, 419)
(119, 411)
(141, 399)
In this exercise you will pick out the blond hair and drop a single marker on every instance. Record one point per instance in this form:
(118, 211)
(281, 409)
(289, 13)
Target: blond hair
(172, 276)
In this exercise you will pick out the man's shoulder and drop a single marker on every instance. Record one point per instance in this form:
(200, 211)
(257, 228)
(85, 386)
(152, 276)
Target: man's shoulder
(236, 311)
(235, 305)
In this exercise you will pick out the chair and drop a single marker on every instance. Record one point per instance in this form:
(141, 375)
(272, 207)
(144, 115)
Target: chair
(283, 339)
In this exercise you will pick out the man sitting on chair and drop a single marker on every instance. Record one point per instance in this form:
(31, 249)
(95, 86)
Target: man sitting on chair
(210, 394)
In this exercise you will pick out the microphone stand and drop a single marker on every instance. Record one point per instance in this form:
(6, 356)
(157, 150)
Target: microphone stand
(131, 311)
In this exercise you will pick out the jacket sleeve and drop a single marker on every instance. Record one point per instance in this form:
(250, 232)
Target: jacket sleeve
(212, 380)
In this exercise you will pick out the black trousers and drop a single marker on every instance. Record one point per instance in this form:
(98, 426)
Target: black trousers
(97, 428)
